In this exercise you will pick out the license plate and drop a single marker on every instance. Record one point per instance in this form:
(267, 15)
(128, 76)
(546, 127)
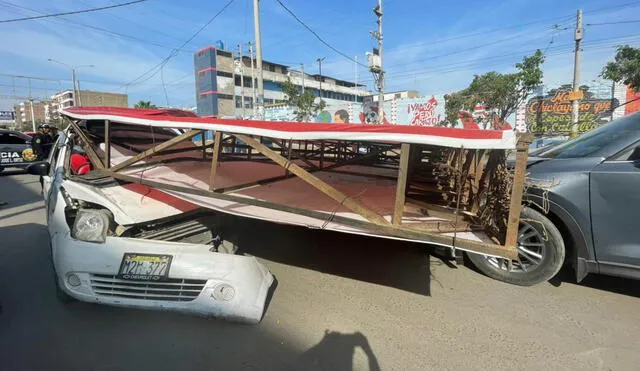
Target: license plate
(145, 267)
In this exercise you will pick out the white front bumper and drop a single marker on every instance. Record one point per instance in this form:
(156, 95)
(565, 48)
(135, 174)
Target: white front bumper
(228, 286)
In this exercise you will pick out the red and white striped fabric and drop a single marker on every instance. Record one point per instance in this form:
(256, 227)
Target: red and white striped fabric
(440, 136)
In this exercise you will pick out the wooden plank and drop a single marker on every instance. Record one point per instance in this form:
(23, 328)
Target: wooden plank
(515, 203)
(107, 144)
(86, 144)
(401, 185)
(383, 230)
(316, 182)
(162, 146)
(204, 145)
(214, 161)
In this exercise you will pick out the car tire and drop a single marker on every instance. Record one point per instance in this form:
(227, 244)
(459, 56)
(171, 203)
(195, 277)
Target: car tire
(551, 253)
(1, 169)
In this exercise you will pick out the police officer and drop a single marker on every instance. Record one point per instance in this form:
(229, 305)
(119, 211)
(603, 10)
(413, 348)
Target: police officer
(41, 143)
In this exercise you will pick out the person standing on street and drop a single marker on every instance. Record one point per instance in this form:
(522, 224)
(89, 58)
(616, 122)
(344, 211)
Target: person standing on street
(41, 145)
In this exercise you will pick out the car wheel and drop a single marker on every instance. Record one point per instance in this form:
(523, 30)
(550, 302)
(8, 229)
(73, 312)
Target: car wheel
(1, 169)
(541, 253)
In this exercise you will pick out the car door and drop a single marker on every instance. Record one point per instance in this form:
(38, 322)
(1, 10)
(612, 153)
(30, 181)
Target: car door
(11, 149)
(55, 164)
(615, 203)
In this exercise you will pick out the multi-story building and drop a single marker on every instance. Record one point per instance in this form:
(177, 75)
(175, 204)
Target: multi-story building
(220, 78)
(404, 94)
(22, 113)
(88, 98)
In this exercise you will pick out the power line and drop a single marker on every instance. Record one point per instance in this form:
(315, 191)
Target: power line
(617, 22)
(72, 12)
(318, 36)
(103, 30)
(149, 73)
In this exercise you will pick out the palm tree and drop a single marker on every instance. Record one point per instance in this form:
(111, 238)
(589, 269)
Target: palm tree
(145, 105)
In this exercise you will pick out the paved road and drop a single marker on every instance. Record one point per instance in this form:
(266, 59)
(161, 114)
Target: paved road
(341, 303)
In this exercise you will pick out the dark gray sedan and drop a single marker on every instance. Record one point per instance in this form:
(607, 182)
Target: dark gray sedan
(583, 211)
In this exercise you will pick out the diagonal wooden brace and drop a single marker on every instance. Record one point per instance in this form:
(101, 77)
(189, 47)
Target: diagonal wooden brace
(316, 182)
(86, 144)
(160, 147)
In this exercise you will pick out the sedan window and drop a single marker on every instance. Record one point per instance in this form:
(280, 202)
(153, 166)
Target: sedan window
(622, 130)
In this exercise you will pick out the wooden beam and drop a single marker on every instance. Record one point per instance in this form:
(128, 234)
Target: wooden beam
(86, 144)
(204, 145)
(517, 189)
(286, 172)
(214, 161)
(160, 147)
(316, 182)
(381, 230)
(107, 144)
(401, 185)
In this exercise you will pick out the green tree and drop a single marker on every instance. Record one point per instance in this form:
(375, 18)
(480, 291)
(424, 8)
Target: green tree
(145, 105)
(502, 93)
(625, 67)
(304, 102)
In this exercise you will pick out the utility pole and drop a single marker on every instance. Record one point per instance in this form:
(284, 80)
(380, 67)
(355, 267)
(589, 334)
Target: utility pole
(241, 79)
(378, 12)
(355, 98)
(258, 37)
(253, 81)
(75, 89)
(33, 119)
(302, 70)
(579, 34)
(319, 60)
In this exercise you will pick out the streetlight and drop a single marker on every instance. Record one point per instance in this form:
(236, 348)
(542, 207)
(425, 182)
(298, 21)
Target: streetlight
(73, 75)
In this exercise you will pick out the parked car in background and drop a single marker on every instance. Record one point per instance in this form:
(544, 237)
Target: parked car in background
(589, 190)
(15, 150)
(540, 143)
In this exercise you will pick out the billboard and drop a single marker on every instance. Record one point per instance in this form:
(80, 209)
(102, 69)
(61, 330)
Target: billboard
(551, 113)
(7, 116)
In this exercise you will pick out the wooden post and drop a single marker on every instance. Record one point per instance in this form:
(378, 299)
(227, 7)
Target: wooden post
(321, 153)
(401, 185)
(107, 144)
(160, 147)
(214, 161)
(286, 172)
(316, 182)
(204, 145)
(517, 190)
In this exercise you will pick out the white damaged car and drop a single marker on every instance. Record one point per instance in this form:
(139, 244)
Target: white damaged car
(130, 245)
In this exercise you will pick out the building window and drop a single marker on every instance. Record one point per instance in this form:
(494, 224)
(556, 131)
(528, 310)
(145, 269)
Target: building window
(238, 102)
(268, 101)
(225, 96)
(223, 53)
(271, 68)
(225, 74)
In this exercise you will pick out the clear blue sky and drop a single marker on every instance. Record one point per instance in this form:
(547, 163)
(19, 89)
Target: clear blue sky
(430, 46)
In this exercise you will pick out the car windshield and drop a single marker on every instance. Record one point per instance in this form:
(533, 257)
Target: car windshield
(589, 143)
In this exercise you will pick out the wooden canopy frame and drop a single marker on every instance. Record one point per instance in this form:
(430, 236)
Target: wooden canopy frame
(430, 232)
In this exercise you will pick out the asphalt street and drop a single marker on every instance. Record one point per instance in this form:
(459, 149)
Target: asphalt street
(341, 303)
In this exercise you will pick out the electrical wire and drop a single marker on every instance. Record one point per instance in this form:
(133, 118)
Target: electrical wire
(150, 73)
(318, 36)
(96, 28)
(617, 22)
(72, 12)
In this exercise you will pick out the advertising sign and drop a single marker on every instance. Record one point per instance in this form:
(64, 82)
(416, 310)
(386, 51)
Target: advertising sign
(551, 114)
(6, 116)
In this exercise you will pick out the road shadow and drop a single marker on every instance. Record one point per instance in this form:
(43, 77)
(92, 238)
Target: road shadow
(399, 264)
(336, 352)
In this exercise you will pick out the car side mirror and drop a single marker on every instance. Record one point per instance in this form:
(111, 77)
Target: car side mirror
(41, 168)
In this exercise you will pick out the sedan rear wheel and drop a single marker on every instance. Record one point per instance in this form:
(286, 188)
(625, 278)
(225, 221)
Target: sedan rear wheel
(540, 248)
